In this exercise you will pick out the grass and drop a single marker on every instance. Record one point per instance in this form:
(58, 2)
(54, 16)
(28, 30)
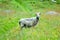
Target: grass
(48, 27)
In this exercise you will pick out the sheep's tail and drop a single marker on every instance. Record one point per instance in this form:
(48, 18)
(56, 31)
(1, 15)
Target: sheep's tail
(19, 23)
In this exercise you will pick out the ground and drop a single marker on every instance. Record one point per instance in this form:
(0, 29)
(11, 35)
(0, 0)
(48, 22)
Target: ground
(48, 27)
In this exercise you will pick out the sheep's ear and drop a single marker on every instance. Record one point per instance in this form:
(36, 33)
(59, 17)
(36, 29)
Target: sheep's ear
(39, 13)
(36, 14)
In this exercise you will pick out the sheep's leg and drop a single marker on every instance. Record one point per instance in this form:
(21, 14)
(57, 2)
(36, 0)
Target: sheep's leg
(22, 25)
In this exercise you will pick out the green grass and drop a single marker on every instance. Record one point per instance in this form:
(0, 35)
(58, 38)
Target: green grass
(48, 27)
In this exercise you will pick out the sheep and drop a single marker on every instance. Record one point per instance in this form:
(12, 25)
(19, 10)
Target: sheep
(29, 22)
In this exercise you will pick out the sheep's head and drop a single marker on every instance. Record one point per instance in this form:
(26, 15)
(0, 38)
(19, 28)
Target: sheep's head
(38, 14)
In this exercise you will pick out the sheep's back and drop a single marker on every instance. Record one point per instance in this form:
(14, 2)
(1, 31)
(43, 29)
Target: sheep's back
(29, 21)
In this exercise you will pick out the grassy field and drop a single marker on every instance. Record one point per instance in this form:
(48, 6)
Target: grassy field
(48, 27)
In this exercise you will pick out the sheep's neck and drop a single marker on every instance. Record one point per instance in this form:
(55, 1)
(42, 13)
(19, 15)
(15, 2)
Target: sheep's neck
(35, 22)
(37, 18)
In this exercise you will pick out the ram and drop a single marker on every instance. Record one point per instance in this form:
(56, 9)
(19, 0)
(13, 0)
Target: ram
(29, 22)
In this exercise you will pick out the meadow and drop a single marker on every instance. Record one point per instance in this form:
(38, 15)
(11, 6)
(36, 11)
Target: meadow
(48, 27)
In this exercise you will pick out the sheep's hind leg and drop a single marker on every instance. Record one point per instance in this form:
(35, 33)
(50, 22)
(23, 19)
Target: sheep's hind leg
(22, 25)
